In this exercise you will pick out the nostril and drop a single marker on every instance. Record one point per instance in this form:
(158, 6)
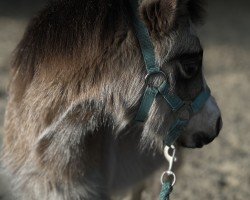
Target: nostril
(218, 126)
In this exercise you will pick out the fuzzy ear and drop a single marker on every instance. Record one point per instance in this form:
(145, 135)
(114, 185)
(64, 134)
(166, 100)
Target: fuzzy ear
(196, 11)
(159, 15)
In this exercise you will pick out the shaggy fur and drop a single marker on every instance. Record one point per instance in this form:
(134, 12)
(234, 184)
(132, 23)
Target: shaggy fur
(77, 81)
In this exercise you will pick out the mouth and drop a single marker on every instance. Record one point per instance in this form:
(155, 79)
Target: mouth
(198, 140)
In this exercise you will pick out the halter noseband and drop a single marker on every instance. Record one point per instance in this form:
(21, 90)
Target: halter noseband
(177, 105)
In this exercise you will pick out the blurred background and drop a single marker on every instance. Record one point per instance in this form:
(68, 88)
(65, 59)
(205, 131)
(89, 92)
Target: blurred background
(219, 171)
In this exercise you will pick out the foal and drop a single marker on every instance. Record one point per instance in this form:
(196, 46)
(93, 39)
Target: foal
(76, 86)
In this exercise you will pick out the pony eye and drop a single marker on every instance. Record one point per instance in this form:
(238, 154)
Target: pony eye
(189, 70)
(189, 67)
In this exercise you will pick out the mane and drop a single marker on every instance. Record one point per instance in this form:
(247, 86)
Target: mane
(64, 27)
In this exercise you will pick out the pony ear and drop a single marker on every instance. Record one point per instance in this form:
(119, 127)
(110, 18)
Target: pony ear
(197, 11)
(159, 15)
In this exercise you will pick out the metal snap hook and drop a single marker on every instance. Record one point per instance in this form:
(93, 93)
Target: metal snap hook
(169, 153)
(170, 156)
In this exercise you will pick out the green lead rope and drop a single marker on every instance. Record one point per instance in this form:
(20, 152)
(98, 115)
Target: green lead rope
(165, 191)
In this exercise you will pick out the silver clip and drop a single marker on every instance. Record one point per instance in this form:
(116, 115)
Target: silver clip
(170, 156)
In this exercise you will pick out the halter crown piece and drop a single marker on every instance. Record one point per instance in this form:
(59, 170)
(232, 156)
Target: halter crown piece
(177, 105)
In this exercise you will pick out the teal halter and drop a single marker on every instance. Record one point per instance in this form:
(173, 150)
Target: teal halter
(184, 110)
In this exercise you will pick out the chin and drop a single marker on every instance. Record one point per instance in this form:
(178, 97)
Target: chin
(197, 140)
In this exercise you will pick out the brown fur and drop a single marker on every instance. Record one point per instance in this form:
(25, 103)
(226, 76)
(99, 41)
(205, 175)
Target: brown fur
(76, 85)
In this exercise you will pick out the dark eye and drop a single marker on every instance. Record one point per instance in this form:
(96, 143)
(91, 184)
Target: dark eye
(190, 65)
(189, 70)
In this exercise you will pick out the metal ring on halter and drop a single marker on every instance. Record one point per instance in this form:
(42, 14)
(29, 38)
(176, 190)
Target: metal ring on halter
(168, 174)
(154, 73)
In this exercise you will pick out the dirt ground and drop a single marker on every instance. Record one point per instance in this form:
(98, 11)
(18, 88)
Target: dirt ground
(221, 170)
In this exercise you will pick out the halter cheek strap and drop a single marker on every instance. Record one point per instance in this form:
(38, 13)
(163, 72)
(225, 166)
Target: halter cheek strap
(177, 105)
